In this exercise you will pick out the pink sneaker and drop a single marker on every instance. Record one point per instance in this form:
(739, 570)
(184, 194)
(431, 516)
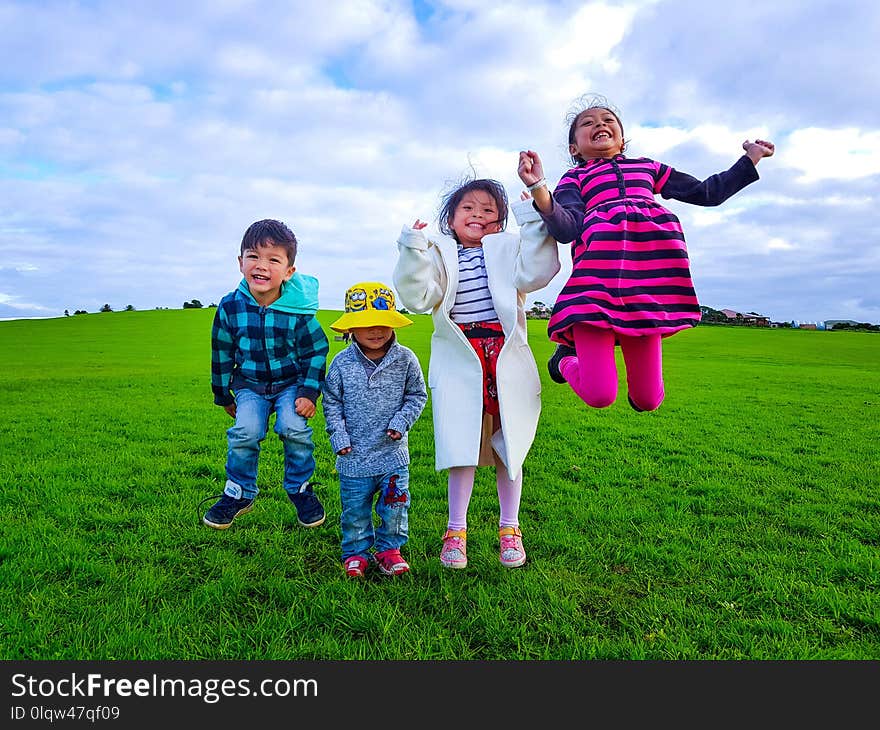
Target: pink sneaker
(391, 562)
(454, 552)
(512, 552)
(355, 566)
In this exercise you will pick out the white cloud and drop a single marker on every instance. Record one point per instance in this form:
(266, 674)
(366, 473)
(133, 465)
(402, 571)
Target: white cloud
(833, 154)
(705, 218)
(14, 302)
(654, 141)
(139, 142)
(591, 34)
(779, 244)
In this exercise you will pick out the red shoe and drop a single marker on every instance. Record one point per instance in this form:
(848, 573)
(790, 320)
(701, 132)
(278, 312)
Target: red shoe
(355, 566)
(391, 562)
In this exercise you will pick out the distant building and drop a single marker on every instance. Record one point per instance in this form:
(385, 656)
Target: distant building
(829, 323)
(749, 319)
(539, 311)
(753, 319)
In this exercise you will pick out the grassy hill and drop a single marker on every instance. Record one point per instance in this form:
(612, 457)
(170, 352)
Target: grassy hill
(740, 521)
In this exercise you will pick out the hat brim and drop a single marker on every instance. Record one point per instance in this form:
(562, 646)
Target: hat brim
(370, 318)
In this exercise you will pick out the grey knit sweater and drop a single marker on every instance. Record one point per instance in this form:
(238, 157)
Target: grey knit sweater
(358, 411)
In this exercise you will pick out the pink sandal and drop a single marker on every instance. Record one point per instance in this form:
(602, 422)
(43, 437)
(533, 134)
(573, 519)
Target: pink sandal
(512, 553)
(454, 552)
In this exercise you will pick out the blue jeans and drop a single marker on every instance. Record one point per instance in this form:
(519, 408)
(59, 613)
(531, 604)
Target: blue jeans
(392, 508)
(251, 424)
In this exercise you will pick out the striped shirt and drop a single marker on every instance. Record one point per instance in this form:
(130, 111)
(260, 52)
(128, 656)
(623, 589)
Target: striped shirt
(630, 270)
(473, 300)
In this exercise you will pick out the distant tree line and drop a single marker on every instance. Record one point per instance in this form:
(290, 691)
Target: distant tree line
(539, 310)
(859, 327)
(191, 304)
(708, 315)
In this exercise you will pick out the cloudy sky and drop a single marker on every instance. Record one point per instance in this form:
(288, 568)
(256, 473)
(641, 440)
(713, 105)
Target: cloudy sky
(138, 139)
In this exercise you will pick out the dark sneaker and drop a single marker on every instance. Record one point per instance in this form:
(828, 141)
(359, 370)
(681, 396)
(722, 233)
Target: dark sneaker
(553, 364)
(309, 510)
(225, 510)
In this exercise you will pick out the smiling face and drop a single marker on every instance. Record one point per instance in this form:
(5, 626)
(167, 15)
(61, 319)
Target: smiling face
(595, 133)
(265, 269)
(474, 217)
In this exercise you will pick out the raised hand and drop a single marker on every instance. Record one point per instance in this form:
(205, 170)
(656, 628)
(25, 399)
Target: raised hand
(530, 168)
(758, 149)
(418, 225)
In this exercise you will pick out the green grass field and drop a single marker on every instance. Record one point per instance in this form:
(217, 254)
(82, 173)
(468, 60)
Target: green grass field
(740, 521)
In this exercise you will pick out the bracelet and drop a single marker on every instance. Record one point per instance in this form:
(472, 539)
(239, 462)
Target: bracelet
(535, 186)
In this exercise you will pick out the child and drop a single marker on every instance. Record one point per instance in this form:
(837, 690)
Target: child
(630, 282)
(373, 395)
(269, 350)
(486, 394)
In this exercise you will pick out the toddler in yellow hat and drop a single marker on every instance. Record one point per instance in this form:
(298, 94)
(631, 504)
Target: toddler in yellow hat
(373, 394)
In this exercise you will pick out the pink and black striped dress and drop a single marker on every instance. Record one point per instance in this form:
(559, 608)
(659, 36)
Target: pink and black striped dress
(630, 270)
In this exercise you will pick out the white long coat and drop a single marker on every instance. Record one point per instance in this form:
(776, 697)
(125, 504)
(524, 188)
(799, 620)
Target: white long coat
(426, 279)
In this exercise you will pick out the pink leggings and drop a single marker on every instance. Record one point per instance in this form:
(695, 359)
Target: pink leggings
(592, 374)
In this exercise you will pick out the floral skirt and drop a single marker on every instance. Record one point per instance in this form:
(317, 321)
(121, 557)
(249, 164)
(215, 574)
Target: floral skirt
(487, 339)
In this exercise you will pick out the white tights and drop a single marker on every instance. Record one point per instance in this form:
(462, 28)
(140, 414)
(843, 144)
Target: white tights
(461, 486)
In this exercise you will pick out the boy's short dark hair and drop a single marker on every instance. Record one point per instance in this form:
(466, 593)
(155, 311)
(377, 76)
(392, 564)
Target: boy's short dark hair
(267, 232)
(451, 200)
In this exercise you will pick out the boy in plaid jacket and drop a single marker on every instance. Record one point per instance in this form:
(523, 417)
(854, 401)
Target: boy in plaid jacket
(268, 353)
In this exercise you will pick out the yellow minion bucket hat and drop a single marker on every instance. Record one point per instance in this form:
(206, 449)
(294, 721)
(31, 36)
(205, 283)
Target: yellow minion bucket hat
(369, 304)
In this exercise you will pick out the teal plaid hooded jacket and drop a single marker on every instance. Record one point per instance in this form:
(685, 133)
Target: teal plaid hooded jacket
(268, 349)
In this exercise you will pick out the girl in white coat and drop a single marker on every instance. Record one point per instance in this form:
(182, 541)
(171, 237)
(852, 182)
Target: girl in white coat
(485, 390)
